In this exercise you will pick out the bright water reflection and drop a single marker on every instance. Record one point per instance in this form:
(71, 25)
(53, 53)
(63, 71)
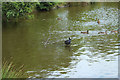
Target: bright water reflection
(39, 43)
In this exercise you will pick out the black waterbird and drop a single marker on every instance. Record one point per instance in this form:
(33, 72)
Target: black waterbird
(67, 42)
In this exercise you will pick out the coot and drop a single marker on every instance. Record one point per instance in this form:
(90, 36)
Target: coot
(67, 42)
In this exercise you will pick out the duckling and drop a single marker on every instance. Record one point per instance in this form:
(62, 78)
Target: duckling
(85, 32)
(59, 18)
(67, 42)
(114, 31)
(102, 32)
(98, 21)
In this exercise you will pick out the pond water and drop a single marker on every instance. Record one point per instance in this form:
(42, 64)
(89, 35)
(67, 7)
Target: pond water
(39, 43)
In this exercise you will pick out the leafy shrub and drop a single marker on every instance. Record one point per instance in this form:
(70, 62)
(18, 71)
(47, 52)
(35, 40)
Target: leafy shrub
(45, 5)
(12, 10)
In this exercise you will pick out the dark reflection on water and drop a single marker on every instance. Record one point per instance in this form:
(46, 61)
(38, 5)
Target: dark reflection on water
(39, 43)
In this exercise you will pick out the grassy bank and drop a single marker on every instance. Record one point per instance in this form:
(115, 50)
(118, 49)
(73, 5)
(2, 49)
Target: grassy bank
(10, 71)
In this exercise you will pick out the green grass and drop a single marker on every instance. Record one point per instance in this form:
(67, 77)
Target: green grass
(10, 71)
